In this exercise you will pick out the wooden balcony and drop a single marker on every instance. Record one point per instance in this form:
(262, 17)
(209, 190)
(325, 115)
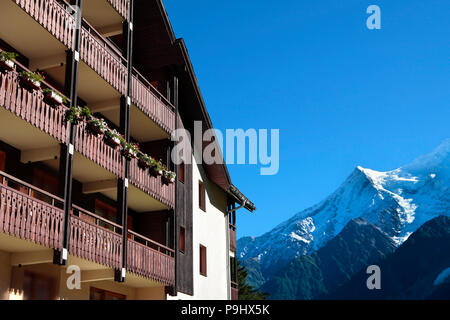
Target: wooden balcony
(152, 103)
(92, 242)
(99, 240)
(31, 214)
(122, 7)
(233, 241)
(151, 185)
(149, 259)
(96, 150)
(234, 291)
(102, 56)
(30, 106)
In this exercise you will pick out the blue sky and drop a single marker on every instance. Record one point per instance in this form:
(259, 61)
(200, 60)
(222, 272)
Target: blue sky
(341, 95)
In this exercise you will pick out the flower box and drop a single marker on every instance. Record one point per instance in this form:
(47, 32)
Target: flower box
(95, 129)
(113, 142)
(155, 171)
(129, 154)
(7, 65)
(74, 115)
(167, 180)
(30, 84)
(53, 99)
(143, 164)
(168, 177)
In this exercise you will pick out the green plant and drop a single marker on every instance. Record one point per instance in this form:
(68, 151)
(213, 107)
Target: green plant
(51, 91)
(99, 123)
(8, 56)
(160, 166)
(86, 113)
(153, 163)
(145, 158)
(130, 150)
(113, 138)
(73, 114)
(169, 176)
(33, 76)
(113, 134)
(156, 167)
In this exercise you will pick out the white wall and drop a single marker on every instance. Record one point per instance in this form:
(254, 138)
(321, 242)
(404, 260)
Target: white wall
(209, 230)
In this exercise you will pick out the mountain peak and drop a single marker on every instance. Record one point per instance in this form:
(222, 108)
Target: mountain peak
(439, 158)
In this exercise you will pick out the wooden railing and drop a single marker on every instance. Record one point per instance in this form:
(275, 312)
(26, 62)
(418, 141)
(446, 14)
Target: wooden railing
(102, 56)
(151, 260)
(153, 186)
(233, 241)
(29, 213)
(93, 148)
(234, 291)
(30, 106)
(55, 16)
(89, 240)
(100, 240)
(152, 103)
(122, 7)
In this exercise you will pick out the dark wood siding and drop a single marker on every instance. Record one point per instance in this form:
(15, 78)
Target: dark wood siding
(185, 260)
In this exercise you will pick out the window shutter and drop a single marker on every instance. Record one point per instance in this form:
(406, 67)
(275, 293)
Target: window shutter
(201, 196)
(203, 264)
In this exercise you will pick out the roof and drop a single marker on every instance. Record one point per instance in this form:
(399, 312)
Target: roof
(152, 25)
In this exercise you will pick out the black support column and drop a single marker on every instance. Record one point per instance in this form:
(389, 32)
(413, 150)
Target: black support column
(66, 162)
(125, 104)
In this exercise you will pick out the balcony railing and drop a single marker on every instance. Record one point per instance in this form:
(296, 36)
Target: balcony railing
(99, 240)
(122, 7)
(95, 149)
(29, 213)
(153, 186)
(234, 291)
(150, 259)
(53, 16)
(30, 106)
(152, 103)
(233, 242)
(89, 240)
(102, 56)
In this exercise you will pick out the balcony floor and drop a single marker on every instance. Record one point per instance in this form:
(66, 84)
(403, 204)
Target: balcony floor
(17, 132)
(26, 35)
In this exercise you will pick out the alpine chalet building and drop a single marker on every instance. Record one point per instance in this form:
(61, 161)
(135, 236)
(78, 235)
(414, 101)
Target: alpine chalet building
(90, 93)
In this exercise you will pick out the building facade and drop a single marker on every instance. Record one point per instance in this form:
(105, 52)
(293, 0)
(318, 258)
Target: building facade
(91, 204)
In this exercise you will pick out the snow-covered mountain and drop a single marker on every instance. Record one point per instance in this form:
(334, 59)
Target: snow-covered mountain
(397, 201)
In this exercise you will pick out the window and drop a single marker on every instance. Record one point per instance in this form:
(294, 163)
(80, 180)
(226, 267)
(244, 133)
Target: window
(181, 172)
(201, 196)
(182, 239)
(99, 294)
(233, 269)
(203, 264)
